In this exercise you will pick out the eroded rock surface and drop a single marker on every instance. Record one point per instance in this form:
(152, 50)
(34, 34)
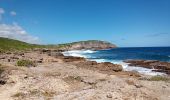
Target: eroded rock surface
(157, 66)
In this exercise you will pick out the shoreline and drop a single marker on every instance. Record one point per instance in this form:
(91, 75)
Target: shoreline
(60, 77)
(127, 66)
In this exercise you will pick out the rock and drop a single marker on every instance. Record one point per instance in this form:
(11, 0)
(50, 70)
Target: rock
(158, 66)
(105, 67)
(89, 81)
(2, 57)
(44, 51)
(2, 82)
(21, 54)
(14, 57)
(55, 54)
(72, 59)
(110, 66)
(138, 86)
(109, 95)
(40, 60)
(134, 73)
(91, 63)
(9, 60)
(8, 53)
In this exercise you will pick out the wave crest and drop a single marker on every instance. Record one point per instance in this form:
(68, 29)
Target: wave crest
(78, 53)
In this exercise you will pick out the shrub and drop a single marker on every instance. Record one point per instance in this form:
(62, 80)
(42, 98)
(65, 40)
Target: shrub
(26, 63)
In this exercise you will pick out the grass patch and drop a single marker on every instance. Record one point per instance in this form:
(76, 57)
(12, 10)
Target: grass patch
(26, 63)
(156, 78)
(159, 78)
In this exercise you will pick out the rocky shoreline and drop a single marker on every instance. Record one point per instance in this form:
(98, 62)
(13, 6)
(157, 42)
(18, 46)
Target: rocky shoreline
(59, 77)
(156, 65)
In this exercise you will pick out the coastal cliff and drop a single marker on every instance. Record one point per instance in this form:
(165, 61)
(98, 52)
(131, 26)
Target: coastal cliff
(7, 44)
(90, 45)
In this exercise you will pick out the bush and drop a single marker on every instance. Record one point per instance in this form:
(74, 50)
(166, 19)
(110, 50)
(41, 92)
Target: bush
(26, 63)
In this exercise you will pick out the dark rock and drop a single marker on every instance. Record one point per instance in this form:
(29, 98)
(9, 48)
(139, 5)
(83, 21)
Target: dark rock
(13, 57)
(110, 66)
(40, 60)
(157, 66)
(109, 95)
(2, 57)
(2, 82)
(55, 54)
(72, 59)
(8, 53)
(45, 50)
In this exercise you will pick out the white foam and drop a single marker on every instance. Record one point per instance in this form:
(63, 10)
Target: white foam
(125, 66)
(141, 69)
(99, 60)
(82, 53)
(78, 53)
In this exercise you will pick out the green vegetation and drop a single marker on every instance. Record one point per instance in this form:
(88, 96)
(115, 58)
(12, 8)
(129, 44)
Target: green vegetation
(155, 78)
(15, 45)
(10, 45)
(159, 78)
(26, 63)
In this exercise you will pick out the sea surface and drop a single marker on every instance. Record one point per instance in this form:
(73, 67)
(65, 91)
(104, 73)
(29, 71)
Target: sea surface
(118, 55)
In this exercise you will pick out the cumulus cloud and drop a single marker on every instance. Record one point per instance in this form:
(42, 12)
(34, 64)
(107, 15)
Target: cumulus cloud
(15, 31)
(2, 11)
(13, 13)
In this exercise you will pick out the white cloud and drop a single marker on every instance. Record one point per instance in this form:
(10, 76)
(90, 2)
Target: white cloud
(13, 13)
(15, 31)
(2, 11)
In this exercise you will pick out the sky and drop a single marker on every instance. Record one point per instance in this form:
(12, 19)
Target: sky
(126, 23)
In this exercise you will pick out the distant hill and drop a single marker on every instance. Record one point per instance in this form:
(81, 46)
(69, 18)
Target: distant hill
(91, 44)
(7, 44)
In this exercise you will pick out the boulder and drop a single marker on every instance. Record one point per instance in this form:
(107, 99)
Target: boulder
(110, 66)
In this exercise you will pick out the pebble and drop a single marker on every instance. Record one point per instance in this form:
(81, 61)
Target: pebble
(109, 95)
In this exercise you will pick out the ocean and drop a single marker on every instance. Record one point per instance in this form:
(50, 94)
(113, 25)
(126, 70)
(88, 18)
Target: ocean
(118, 55)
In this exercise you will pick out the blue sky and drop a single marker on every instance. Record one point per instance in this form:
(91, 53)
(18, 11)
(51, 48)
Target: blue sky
(122, 22)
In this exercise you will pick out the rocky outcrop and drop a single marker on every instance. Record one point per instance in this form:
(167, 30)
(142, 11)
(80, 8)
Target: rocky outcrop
(92, 45)
(157, 66)
(105, 67)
